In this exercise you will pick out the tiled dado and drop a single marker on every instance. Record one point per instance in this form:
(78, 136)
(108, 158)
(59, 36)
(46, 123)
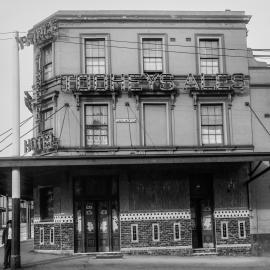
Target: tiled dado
(154, 215)
(56, 219)
(231, 213)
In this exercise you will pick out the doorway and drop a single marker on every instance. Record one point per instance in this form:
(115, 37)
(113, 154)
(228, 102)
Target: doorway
(96, 217)
(201, 206)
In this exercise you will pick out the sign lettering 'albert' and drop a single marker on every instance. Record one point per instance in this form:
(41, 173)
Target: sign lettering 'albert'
(156, 82)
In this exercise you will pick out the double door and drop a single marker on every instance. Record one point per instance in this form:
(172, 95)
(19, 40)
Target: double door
(97, 226)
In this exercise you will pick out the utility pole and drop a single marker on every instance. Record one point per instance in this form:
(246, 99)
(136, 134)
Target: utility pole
(15, 243)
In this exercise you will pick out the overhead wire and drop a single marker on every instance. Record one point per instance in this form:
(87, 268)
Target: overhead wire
(168, 51)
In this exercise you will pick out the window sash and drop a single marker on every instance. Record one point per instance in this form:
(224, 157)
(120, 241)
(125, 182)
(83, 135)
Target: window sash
(155, 232)
(224, 230)
(152, 50)
(47, 120)
(96, 125)
(46, 203)
(95, 56)
(212, 125)
(47, 62)
(134, 233)
(209, 56)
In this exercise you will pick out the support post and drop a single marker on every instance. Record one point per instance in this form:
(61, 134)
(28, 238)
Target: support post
(7, 209)
(28, 219)
(15, 243)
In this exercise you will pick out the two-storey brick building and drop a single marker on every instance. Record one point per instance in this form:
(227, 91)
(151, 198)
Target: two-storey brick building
(146, 134)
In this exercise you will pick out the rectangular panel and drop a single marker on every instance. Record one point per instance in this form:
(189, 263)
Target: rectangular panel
(90, 227)
(103, 227)
(155, 124)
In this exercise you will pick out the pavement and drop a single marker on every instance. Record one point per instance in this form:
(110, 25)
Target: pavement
(33, 260)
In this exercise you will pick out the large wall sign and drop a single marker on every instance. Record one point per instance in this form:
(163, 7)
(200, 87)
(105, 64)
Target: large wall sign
(157, 82)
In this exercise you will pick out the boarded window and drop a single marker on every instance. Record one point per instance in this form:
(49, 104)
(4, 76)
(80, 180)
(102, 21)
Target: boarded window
(46, 203)
(155, 125)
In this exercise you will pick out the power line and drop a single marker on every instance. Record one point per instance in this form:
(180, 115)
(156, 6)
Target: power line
(21, 124)
(34, 127)
(170, 51)
(169, 45)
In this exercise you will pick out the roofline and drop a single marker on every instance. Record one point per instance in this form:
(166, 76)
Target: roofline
(146, 15)
(110, 160)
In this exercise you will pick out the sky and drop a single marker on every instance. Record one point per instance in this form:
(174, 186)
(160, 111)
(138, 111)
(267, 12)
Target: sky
(22, 15)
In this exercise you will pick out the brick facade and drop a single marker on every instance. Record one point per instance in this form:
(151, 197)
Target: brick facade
(62, 240)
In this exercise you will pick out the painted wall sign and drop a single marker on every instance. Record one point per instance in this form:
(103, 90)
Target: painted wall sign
(156, 82)
(125, 120)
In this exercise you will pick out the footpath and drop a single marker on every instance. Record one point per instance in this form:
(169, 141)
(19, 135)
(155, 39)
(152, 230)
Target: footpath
(33, 260)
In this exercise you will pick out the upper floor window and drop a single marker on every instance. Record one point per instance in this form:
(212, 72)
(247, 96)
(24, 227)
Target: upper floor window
(152, 54)
(47, 120)
(155, 127)
(96, 125)
(212, 125)
(95, 56)
(47, 62)
(46, 203)
(209, 56)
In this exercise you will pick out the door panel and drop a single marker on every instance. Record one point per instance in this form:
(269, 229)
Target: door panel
(103, 226)
(90, 227)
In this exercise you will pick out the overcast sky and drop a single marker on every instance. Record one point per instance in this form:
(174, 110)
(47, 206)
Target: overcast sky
(21, 15)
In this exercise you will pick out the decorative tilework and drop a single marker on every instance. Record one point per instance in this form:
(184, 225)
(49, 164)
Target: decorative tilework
(63, 219)
(154, 216)
(36, 219)
(231, 213)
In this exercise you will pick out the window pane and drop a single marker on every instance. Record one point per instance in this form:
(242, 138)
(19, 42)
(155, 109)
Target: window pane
(48, 54)
(152, 55)
(96, 125)
(95, 56)
(211, 124)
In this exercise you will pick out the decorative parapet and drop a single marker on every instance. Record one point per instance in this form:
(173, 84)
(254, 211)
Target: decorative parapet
(42, 144)
(231, 213)
(154, 216)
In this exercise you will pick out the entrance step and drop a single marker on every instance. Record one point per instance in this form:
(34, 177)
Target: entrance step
(109, 255)
(204, 252)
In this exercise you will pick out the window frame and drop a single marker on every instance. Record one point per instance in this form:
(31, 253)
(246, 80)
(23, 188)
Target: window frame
(41, 236)
(168, 139)
(165, 58)
(43, 65)
(110, 123)
(106, 37)
(244, 229)
(42, 129)
(227, 229)
(137, 233)
(153, 232)
(221, 52)
(225, 128)
(52, 239)
(174, 231)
